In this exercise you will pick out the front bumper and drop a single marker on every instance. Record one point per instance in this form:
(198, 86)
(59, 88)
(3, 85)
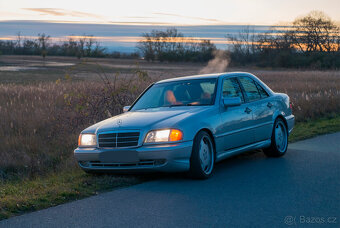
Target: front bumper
(167, 158)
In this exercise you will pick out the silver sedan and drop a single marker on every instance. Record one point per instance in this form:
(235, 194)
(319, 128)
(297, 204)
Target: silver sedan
(188, 124)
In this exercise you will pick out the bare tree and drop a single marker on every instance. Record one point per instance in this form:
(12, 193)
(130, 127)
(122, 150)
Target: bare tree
(43, 42)
(243, 45)
(315, 32)
(81, 46)
(19, 40)
(172, 45)
(89, 45)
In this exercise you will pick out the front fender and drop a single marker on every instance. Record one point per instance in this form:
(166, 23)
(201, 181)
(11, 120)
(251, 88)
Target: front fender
(207, 120)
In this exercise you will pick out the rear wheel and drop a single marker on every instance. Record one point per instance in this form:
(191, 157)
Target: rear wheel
(202, 157)
(279, 140)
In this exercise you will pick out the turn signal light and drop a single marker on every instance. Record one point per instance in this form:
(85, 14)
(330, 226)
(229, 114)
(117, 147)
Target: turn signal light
(175, 135)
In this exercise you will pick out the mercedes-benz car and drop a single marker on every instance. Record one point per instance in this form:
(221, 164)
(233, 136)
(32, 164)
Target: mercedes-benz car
(188, 124)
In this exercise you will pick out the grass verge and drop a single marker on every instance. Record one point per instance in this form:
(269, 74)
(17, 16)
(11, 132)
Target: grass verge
(17, 197)
(309, 129)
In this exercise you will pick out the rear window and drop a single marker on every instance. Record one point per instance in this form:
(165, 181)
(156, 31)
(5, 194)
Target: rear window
(250, 89)
(262, 91)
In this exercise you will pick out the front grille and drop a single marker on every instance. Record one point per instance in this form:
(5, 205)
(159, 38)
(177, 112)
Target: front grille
(118, 139)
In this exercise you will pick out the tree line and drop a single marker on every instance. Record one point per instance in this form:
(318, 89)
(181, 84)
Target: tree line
(172, 46)
(312, 41)
(82, 46)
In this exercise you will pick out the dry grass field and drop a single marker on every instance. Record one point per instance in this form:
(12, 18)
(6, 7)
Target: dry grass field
(45, 105)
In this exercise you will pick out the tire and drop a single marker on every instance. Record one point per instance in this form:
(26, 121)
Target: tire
(279, 140)
(202, 158)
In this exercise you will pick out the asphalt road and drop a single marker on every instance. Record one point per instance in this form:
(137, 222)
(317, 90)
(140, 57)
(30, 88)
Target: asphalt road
(301, 189)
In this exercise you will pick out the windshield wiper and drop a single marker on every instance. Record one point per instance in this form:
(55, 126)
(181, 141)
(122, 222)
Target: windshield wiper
(145, 108)
(175, 105)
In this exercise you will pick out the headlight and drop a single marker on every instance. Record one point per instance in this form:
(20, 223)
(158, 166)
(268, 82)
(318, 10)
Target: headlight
(165, 135)
(87, 140)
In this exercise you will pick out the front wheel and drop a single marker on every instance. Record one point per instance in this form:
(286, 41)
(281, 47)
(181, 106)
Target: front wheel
(279, 140)
(202, 156)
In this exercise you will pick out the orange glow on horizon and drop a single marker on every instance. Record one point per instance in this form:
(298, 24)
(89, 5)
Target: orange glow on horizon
(136, 39)
(124, 39)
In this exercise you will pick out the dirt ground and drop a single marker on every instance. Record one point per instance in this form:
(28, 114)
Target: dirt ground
(24, 69)
(34, 69)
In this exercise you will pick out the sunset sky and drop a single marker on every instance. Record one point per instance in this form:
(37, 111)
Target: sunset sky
(174, 12)
(118, 25)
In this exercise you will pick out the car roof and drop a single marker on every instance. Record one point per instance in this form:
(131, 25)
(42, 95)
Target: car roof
(203, 76)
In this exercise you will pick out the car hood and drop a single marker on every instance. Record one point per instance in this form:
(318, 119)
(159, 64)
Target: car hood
(145, 119)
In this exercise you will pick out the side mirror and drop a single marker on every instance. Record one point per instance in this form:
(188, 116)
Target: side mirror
(232, 101)
(126, 108)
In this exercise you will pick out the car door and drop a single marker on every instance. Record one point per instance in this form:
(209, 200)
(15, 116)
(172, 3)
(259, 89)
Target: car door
(263, 115)
(261, 108)
(235, 121)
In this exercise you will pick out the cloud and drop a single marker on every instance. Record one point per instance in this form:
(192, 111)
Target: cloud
(139, 23)
(188, 17)
(63, 12)
(140, 17)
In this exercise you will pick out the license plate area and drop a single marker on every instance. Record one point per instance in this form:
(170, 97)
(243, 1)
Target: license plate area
(119, 156)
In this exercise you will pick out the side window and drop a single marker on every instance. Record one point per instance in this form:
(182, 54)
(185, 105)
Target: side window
(262, 92)
(231, 88)
(250, 89)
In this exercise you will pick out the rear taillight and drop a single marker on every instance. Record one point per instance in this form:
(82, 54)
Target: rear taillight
(290, 105)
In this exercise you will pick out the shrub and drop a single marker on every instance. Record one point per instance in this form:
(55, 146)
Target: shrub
(40, 123)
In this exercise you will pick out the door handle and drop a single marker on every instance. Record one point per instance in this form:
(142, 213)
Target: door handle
(248, 110)
(269, 105)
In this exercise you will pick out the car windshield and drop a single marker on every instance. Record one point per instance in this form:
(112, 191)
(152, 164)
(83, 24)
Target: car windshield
(178, 93)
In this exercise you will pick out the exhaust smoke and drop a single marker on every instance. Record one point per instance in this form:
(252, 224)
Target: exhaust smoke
(218, 64)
